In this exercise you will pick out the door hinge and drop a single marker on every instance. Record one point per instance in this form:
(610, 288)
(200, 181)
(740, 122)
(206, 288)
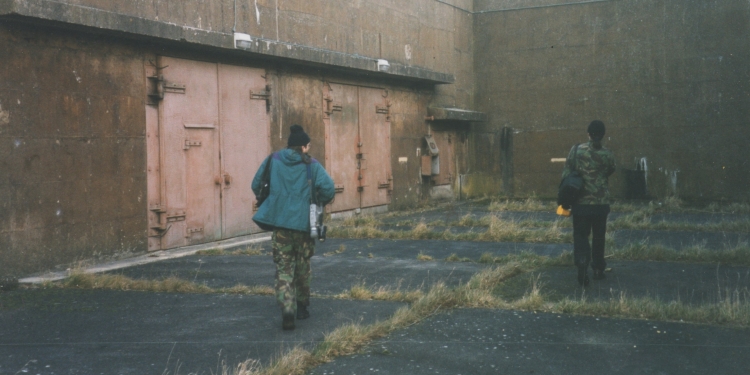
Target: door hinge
(262, 95)
(384, 109)
(331, 106)
(158, 86)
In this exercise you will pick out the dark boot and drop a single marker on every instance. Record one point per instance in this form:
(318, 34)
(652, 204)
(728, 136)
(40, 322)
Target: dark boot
(599, 275)
(287, 321)
(583, 277)
(302, 312)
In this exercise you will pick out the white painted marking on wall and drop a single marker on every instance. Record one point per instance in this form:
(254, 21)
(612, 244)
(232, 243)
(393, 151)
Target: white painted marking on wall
(407, 51)
(4, 116)
(257, 12)
(403, 159)
(643, 163)
(558, 160)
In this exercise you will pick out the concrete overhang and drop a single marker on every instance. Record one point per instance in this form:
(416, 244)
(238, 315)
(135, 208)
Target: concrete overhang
(455, 115)
(88, 18)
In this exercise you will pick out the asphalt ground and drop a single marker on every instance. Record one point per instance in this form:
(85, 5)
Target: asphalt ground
(69, 331)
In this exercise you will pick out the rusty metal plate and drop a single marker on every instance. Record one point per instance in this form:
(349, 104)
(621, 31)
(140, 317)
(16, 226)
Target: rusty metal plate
(446, 143)
(245, 142)
(342, 134)
(375, 143)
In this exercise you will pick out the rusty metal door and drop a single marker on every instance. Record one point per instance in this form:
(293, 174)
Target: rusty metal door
(446, 142)
(357, 145)
(212, 136)
(245, 143)
(374, 147)
(341, 115)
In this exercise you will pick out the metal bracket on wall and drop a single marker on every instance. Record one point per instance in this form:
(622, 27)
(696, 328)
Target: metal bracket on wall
(189, 143)
(262, 95)
(384, 109)
(158, 86)
(190, 231)
(331, 107)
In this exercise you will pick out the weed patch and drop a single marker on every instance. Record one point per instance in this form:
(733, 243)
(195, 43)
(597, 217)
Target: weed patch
(738, 255)
(79, 280)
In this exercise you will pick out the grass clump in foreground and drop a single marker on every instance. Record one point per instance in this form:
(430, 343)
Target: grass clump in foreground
(248, 250)
(80, 280)
(734, 309)
(529, 204)
(497, 230)
(738, 255)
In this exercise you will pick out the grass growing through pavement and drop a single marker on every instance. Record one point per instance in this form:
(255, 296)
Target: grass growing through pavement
(80, 280)
(249, 250)
(348, 339)
(738, 255)
(497, 230)
(529, 204)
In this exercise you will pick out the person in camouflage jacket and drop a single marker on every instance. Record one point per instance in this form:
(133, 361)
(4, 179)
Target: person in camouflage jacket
(595, 163)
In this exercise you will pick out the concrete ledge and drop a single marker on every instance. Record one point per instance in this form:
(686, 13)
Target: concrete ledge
(153, 257)
(455, 114)
(106, 21)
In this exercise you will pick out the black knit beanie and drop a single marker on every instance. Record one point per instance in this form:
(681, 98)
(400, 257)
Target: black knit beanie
(596, 130)
(298, 137)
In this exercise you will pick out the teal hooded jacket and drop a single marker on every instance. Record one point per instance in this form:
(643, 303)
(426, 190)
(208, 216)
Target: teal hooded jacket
(288, 204)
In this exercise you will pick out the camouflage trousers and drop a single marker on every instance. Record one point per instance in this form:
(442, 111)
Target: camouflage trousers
(291, 252)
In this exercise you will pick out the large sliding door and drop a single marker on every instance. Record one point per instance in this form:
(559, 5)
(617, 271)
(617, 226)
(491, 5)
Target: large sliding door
(207, 135)
(358, 145)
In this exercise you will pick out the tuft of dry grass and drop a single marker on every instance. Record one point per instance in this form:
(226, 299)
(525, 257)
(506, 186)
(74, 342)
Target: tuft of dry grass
(248, 250)
(734, 310)
(738, 255)
(340, 250)
(424, 257)
(455, 258)
(509, 231)
(361, 221)
(80, 280)
(527, 205)
(362, 292)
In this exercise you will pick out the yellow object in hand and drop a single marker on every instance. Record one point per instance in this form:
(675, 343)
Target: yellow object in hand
(562, 212)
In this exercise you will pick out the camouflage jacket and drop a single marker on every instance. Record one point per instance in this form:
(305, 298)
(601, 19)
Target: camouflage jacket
(595, 166)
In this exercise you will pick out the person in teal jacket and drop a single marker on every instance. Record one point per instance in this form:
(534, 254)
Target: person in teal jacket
(287, 212)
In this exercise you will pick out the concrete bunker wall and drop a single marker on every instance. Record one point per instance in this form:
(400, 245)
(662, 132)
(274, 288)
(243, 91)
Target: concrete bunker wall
(73, 127)
(73, 183)
(669, 78)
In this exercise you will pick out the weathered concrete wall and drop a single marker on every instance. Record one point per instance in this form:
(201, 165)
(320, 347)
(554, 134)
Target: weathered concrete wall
(72, 149)
(436, 35)
(668, 77)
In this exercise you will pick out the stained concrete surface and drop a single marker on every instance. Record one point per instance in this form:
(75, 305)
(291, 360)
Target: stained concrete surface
(110, 332)
(476, 341)
(331, 275)
(57, 331)
(694, 284)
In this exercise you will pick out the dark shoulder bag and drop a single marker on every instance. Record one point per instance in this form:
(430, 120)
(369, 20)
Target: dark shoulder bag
(571, 187)
(265, 182)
